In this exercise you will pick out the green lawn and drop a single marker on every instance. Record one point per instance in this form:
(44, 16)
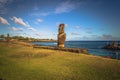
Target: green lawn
(19, 62)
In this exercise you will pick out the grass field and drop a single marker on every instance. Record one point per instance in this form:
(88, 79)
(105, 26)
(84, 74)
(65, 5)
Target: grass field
(18, 62)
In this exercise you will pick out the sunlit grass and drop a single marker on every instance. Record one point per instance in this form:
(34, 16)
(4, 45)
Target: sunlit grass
(19, 62)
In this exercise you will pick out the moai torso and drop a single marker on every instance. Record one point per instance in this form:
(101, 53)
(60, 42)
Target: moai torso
(61, 36)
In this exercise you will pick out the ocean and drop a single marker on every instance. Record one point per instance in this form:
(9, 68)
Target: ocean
(94, 47)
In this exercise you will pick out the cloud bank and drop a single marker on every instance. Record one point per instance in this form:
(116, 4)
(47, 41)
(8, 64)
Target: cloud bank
(16, 29)
(4, 21)
(20, 21)
(32, 29)
(39, 20)
(66, 7)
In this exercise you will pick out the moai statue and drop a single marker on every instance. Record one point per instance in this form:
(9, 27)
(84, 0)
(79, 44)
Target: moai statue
(8, 38)
(61, 36)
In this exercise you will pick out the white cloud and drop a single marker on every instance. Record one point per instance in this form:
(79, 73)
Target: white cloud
(44, 14)
(40, 14)
(66, 7)
(66, 25)
(106, 36)
(89, 32)
(38, 34)
(20, 21)
(75, 33)
(63, 7)
(54, 33)
(98, 37)
(77, 27)
(16, 29)
(39, 20)
(4, 21)
(32, 29)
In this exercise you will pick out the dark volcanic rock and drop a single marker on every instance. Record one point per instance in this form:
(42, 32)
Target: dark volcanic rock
(113, 46)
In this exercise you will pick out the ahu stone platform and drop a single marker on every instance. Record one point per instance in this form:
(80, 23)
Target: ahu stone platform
(75, 50)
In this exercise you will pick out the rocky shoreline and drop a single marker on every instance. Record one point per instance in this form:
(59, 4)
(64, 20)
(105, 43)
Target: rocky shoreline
(113, 46)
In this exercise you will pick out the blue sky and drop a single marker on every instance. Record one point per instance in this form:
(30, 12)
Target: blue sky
(84, 19)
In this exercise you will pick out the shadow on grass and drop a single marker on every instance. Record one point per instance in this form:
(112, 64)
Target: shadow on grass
(2, 79)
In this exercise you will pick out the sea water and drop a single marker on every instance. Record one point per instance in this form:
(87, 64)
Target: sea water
(94, 47)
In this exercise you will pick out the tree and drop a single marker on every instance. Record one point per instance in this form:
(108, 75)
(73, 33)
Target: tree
(2, 36)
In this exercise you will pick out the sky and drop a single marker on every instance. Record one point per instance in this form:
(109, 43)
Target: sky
(83, 19)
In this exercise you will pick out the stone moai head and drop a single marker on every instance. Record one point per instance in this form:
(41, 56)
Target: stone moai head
(61, 36)
(61, 28)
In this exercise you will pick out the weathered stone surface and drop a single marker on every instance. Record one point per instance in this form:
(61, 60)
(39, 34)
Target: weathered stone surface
(61, 28)
(61, 36)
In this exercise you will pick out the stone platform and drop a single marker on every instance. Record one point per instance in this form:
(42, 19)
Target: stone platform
(75, 50)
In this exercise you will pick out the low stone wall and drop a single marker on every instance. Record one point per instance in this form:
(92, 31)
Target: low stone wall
(76, 50)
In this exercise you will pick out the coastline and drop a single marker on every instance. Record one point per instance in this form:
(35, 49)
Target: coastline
(93, 47)
(76, 50)
(66, 49)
